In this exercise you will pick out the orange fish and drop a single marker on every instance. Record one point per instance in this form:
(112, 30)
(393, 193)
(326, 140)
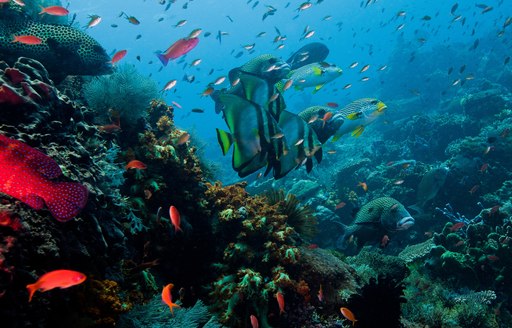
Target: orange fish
(363, 185)
(254, 321)
(326, 118)
(474, 189)
(340, 205)
(58, 278)
(384, 242)
(175, 218)
(118, 56)
(484, 167)
(167, 298)
(135, 164)
(27, 39)
(109, 128)
(456, 226)
(348, 315)
(54, 11)
(320, 294)
(280, 301)
(183, 138)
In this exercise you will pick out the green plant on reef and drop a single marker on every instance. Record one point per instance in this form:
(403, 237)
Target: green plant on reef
(126, 91)
(300, 217)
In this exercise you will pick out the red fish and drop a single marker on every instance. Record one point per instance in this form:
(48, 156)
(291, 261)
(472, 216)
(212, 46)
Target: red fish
(384, 242)
(332, 104)
(135, 164)
(54, 10)
(457, 226)
(254, 321)
(118, 56)
(167, 298)
(320, 294)
(175, 218)
(484, 167)
(178, 49)
(280, 302)
(340, 205)
(27, 39)
(26, 174)
(363, 185)
(312, 246)
(56, 279)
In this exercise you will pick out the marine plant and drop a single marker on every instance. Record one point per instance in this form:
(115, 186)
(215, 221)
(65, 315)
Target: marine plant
(126, 91)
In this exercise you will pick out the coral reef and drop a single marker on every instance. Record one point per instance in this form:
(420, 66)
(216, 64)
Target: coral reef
(127, 92)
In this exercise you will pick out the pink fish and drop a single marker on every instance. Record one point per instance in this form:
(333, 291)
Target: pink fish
(55, 279)
(280, 302)
(178, 49)
(254, 321)
(26, 174)
(175, 218)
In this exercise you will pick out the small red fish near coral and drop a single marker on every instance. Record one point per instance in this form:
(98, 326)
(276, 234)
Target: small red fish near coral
(459, 243)
(363, 185)
(332, 104)
(109, 128)
(135, 164)
(167, 298)
(340, 205)
(326, 118)
(312, 246)
(320, 294)
(280, 302)
(56, 279)
(183, 138)
(484, 167)
(26, 174)
(348, 315)
(254, 321)
(494, 209)
(456, 226)
(118, 56)
(474, 189)
(492, 258)
(27, 39)
(54, 10)
(384, 242)
(175, 218)
(178, 49)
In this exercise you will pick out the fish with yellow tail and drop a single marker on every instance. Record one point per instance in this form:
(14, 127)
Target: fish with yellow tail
(312, 75)
(358, 115)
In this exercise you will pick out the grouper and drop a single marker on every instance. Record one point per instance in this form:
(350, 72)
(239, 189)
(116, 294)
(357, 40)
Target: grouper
(380, 216)
(64, 50)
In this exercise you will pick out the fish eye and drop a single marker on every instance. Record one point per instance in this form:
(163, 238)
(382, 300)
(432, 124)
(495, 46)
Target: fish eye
(374, 102)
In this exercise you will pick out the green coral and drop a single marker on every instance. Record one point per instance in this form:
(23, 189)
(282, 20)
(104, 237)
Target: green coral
(126, 91)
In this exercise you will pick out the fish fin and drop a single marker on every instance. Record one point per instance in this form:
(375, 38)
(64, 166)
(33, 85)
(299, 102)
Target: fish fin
(34, 201)
(225, 140)
(358, 131)
(318, 87)
(309, 165)
(417, 208)
(162, 58)
(317, 71)
(342, 242)
(32, 288)
(280, 86)
(67, 200)
(319, 155)
(353, 116)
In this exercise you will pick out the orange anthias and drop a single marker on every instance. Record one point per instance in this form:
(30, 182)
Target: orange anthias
(167, 297)
(54, 10)
(27, 39)
(175, 218)
(280, 301)
(135, 164)
(56, 279)
(348, 315)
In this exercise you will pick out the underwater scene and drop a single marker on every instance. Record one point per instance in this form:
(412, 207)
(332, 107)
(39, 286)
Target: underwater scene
(256, 164)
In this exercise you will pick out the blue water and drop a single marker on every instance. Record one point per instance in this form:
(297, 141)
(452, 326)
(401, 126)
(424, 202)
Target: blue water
(354, 33)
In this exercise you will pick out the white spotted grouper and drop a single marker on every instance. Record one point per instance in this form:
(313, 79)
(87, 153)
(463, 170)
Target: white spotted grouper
(64, 50)
(379, 216)
(26, 174)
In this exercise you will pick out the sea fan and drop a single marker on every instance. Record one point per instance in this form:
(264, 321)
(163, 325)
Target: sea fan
(300, 217)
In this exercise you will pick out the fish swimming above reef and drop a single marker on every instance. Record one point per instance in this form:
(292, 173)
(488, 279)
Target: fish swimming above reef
(256, 83)
(429, 186)
(26, 174)
(63, 50)
(379, 216)
(314, 75)
(358, 115)
(310, 53)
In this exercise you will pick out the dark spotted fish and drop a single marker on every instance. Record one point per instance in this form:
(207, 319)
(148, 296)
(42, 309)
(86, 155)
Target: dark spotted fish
(64, 50)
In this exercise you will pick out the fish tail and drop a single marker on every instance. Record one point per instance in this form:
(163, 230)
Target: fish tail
(43, 11)
(32, 288)
(67, 200)
(163, 59)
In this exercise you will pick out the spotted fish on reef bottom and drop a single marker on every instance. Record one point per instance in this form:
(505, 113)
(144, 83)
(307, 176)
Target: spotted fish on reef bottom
(26, 174)
(64, 50)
